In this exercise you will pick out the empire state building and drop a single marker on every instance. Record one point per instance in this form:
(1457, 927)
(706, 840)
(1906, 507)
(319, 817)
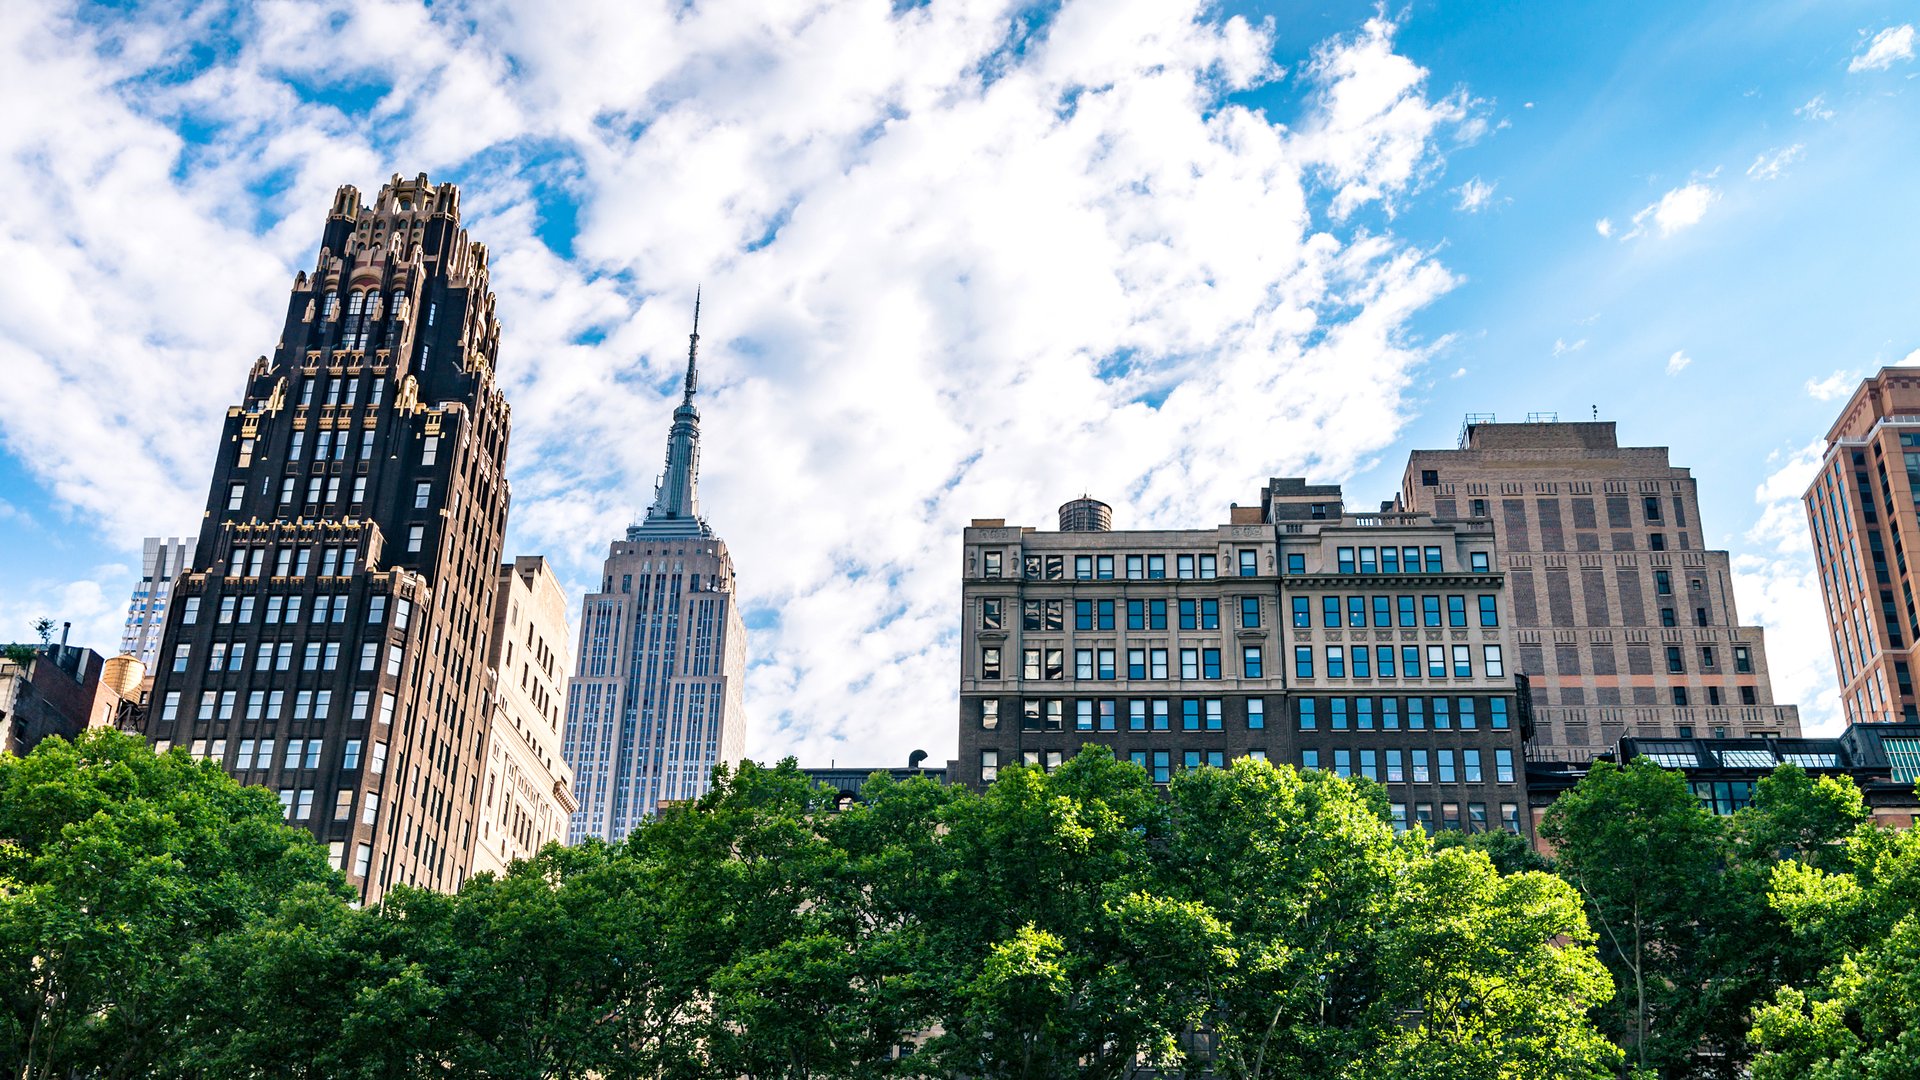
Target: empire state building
(656, 699)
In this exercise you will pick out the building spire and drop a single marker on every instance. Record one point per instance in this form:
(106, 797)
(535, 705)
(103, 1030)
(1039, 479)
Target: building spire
(693, 349)
(676, 498)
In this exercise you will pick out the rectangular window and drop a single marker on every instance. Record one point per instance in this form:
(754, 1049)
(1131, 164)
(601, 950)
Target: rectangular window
(1136, 715)
(1210, 663)
(1436, 662)
(1210, 613)
(1362, 662)
(1405, 605)
(1256, 714)
(1303, 661)
(1183, 567)
(1310, 759)
(1336, 662)
(1209, 568)
(171, 709)
(1251, 664)
(1456, 611)
(1742, 660)
(352, 758)
(1103, 567)
(1416, 714)
(1330, 611)
(1503, 765)
(989, 766)
(1104, 615)
(1104, 668)
(990, 713)
(377, 764)
(1136, 663)
(1337, 713)
(1383, 655)
(1390, 714)
(1442, 715)
(1157, 663)
(1189, 615)
(1356, 611)
(1215, 711)
(1663, 583)
(1462, 662)
(1343, 763)
(1344, 558)
(1189, 714)
(990, 564)
(1083, 567)
(1083, 663)
(1162, 714)
(1396, 769)
(1430, 611)
(1156, 567)
(1443, 762)
(1302, 613)
(1497, 711)
(1249, 562)
(1433, 561)
(1189, 663)
(1479, 561)
(1676, 664)
(1369, 561)
(415, 535)
(1389, 560)
(1489, 610)
(1421, 773)
(1296, 562)
(1496, 667)
(1307, 714)
(1250, 612)
(1162, 766)
(1470, 766)
(1363, 713)
(1083, 715)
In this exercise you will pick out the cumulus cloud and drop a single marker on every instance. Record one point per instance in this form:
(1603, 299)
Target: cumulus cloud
(1777, 587)
(1475, 195)
(1678, 362)
(956, 265)
(1681, 208)
(1835, 386)
(1604, 227)
(1884, 49)
(1772, 165)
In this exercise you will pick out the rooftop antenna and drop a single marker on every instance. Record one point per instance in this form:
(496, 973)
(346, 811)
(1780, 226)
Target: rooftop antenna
(1596, 408)
(693, 347)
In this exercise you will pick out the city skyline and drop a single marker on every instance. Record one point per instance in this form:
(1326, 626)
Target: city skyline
(909, 300)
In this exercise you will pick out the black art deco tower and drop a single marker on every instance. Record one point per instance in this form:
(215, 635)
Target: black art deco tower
(329, 639)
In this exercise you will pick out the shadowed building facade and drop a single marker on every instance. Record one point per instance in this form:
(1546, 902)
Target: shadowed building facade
(656, 698)
(1368, 645)
(1862, 507)
(329, 638)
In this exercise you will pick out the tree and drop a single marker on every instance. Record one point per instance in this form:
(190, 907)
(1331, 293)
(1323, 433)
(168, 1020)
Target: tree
(115, 863)
(1795, 815)
(1647, 858)
(1511, 852)
(43, 629)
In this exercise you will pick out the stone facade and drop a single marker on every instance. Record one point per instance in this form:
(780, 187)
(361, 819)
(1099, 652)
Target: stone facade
(329, 638)
(527, 797)
(1282, 634)
(1861, 508)
(1624, 619)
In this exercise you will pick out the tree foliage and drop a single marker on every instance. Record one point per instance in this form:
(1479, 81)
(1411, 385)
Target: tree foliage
(158, 920)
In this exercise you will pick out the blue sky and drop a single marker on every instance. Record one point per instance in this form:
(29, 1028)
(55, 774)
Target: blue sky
(966, 260)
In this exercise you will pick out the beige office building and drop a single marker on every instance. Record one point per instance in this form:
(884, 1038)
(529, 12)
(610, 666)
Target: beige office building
(527, 797)
(1624, 618)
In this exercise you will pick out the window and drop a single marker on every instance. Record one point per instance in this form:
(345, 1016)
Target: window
(1083, 663)
(1362, 662)
(1162, 714)
(1396, 769)
(1405, 606)
(352, 758)
(1421, 773)
(1162, 766)
(236, 493)
(1389, 560)
(1456, 611)
(1680, 695)
(1434, 565)
(1663, 583)
(1344, 558)
(1462, 662)
(422, 494)
(990, 564)
(1336, 662)
(1676, 664)
(1302, 613)
(1356, 611)
(1183, 567)
(415, 534)
(1209, 614)
(1189, 663)
(1296, 562)
(1430, 611)
(1706, 656)
(1104, 669)
(1156, 566)
(990, 713)
(1310, 759)
(1436, 662)
(1470, 766)
(1249, 562)
(1651, 505)
(1429, 478)
(1209, 663)
(1497, 709)
(1156, 663)
(1103, 567)
(1657, 542)
(1742, 660)
(1251, 663)
(989, 766)
(1256, 714)
(1337, 713)
(1249, 612)
(1330, 611)
(1489, 610)
(1383, 657)
(1302, 661)
(1215, 710)
(377, 764)
(1369, 561)
(1496, 668)
(1503, 765)
(1479, 561)
(1308, 720)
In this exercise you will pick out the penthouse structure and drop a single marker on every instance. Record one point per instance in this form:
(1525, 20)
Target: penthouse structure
(329, 636)
(1862, 507)
(1624, 619)
(1365, 644)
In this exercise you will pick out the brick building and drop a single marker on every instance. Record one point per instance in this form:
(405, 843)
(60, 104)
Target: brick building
(1364, 644)
(1862, 507)
(329, 637)
(1624, 618)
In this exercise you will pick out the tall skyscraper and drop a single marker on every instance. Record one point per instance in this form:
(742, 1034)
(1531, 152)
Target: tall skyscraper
(330, 637)
(527, 796)
(1368, 645)
(161, 559)
(656, 701)
(1862, 508)
(1624, 618)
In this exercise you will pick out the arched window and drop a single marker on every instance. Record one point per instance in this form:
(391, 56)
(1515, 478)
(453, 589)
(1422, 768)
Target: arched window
(331, 306)
(354, 335)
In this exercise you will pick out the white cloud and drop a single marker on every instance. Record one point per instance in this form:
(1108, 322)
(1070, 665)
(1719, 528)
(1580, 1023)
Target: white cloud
(1475, 195)
(1884, 49)
(1837, 385)
(1681, 208)
(1561, 348)
(1459, 373)
(1909, 360)
(1772, 165)
(921, 231)
(1604, 227)
(1815, 109)
(1678, 362)
(1777, 588)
